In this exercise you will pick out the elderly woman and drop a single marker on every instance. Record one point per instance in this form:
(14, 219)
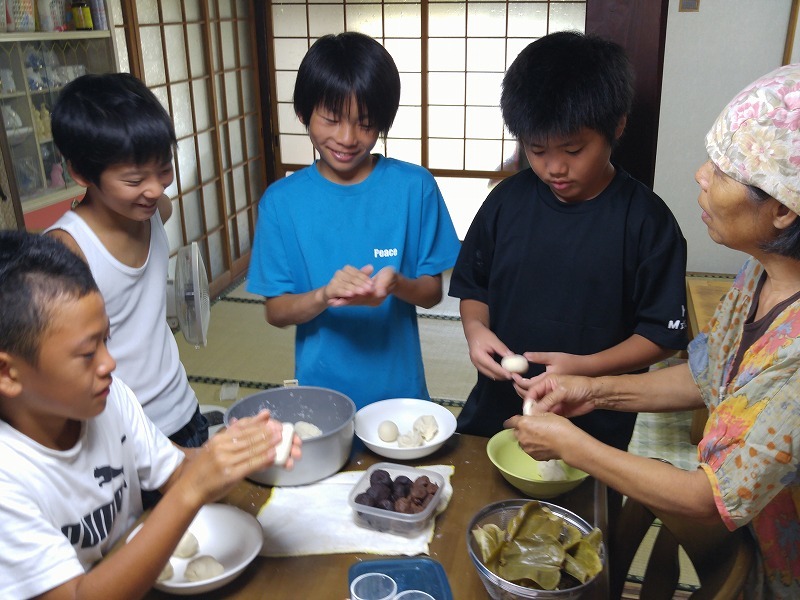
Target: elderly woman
(744, 366)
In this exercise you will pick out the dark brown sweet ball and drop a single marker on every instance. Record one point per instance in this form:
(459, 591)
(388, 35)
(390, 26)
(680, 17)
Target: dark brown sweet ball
(432, 488)
(365, 499)
(400, 489)
(385, 504)
(422, 480)
(380, 476)
(379, 491)
(403, 479)
(418, 492)
(403, 505)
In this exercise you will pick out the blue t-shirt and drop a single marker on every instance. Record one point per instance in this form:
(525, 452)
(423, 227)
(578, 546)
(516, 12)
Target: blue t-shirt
(308, 227)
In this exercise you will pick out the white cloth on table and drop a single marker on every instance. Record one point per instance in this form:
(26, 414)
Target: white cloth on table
(317, 519)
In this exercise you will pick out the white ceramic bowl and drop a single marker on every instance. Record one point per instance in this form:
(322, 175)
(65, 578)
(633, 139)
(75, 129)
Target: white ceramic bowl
(403, 412)
(227, 533)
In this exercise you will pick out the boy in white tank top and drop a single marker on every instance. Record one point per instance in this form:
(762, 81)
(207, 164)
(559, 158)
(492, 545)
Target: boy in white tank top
(118, 142)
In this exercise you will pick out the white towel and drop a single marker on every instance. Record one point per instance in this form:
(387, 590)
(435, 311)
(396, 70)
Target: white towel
(317, 519)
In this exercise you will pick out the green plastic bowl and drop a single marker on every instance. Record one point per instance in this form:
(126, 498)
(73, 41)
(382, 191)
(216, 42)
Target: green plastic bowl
(522, 471)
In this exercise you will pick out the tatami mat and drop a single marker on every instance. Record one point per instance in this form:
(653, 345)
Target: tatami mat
(244, 348)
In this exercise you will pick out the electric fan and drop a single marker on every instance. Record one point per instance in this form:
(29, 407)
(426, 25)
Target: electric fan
(188, 302)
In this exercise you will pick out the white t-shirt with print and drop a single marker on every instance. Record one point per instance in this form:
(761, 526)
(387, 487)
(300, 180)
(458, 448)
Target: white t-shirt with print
(62, 511)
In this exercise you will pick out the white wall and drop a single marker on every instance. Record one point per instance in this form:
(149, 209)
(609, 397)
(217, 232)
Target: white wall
(710, 56)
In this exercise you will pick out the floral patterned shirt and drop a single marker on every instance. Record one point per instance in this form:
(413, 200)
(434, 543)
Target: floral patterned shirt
(751, 444)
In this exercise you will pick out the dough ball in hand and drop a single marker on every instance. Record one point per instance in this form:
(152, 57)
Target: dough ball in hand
(187, 547)
(284, 449)
(516, 363)
(202, 568)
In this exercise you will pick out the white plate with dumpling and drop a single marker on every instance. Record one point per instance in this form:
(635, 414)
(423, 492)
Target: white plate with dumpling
(219, 535)
(404, 428)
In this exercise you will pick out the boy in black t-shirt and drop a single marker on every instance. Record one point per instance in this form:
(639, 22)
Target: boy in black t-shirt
(572, 263)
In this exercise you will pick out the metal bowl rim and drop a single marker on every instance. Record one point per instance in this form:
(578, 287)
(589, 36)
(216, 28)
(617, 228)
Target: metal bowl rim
(325, 435)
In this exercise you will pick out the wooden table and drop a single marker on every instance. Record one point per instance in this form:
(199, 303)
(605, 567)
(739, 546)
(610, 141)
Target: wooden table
(476, 483)
(703, 293)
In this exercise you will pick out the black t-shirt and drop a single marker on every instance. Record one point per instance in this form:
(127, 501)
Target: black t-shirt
(576, 278)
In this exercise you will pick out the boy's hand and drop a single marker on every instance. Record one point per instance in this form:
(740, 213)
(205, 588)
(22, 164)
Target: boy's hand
(561, 362)
(348, 284)
(247, 445)
(353, 290)
(484, 347)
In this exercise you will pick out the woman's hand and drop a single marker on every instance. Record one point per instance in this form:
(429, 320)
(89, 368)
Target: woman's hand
(543, 435)
(567, 395)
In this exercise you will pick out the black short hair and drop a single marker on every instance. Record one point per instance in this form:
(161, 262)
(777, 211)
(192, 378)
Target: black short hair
(37, 273)
(787, 242)
(110, 119)
(564, 82)
(336, 67)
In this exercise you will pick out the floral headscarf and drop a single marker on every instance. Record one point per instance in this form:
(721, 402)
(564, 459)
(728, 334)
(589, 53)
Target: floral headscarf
(756, 138)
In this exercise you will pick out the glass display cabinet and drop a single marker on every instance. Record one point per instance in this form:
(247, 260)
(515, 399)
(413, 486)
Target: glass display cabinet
(34, 66)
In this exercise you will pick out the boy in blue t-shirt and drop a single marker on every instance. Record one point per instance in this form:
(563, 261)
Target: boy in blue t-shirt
(572, 263)
(348, 247)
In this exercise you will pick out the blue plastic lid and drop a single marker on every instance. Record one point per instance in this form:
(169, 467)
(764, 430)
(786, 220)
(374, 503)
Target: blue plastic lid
(415, 573)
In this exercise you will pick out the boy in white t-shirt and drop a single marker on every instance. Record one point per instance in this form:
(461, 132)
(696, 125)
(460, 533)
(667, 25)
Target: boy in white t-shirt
(77, 447)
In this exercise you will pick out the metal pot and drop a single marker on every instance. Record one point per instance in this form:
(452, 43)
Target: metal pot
(324, 455)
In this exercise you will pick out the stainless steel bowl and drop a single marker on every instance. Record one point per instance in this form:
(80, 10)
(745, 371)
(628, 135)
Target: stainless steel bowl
(332, 412)
(500, 513)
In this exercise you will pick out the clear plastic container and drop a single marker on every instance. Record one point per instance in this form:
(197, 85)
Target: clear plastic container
(388, 521)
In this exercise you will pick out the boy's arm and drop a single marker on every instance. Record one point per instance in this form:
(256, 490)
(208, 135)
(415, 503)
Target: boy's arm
(424, 291)
(484, 345)
(206, 475)
(632, 354)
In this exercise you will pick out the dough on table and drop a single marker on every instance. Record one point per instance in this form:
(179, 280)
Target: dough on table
(166, 573)
(306, 430)
(202, 568)
(388, 431)
(187, 547)
(426, 426)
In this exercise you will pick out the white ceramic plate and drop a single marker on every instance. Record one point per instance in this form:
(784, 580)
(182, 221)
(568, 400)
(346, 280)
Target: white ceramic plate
(403, 412)
(227, 533)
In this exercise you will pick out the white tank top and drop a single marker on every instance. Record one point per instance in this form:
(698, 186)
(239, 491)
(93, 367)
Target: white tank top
(141, 341)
